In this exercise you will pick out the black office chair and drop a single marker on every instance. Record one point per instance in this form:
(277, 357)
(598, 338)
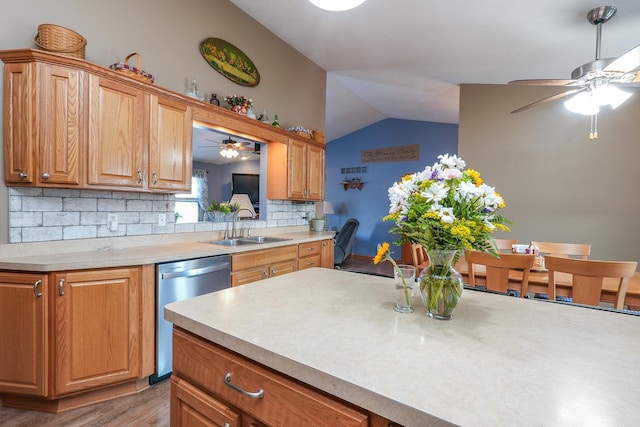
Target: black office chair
(344, 241)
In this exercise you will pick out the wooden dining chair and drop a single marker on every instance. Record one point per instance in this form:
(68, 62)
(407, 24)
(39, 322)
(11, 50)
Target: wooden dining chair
(419, 257)
(497, 269)
(462, 267)
(571, 250)
(588, 277)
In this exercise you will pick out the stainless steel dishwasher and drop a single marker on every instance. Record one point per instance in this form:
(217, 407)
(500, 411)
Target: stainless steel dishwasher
(176, 281)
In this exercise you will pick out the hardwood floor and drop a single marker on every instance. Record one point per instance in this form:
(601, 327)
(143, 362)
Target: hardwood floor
(147, 408)
(364, 264)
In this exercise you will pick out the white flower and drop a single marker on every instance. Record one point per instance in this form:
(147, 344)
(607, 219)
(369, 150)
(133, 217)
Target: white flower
(436, 192)
(446, 215)
(452, 161)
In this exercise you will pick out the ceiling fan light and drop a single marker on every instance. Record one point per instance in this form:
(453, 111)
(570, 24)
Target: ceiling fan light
(337, 5)
(611, 95)
(582, 103)
(229, 153)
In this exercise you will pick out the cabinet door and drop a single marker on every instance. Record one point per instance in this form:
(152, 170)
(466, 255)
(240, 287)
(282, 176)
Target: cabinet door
(61, 128)
(297, 170)
(170, 145)
(326, 259)
(19, 126)
(97, 328)
(315, 172)
(282, 268)
(115, 147)
(250, 275)
(23, 333)
(191, 407)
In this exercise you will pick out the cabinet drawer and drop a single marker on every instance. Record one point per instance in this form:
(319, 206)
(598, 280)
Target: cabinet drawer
(309, 261)
(311, 248)
(262, 257)
(190, 406)
(284, 402)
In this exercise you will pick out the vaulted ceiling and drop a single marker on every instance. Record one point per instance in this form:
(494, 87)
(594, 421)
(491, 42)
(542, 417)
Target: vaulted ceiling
(406, 58)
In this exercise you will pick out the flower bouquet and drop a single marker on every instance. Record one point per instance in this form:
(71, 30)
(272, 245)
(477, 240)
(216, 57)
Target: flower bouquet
(239, 103)
(445, 208)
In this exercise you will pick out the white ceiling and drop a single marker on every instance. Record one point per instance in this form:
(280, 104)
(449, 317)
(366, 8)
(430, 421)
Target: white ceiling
(405, 59)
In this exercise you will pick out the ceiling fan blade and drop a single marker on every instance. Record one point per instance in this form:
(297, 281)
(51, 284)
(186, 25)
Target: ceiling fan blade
(543, 82)
(548, 99)
(627, 62)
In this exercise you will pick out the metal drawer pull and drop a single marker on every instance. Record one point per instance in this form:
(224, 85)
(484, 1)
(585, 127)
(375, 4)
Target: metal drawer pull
(309, 249)
(22, 175)
(46, 176)
(60, 287)
(154, 178)
(257, 395)
(35, 288)
(139, 176)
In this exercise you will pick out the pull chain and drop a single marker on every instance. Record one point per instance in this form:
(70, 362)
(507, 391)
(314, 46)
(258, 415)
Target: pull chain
(594, 127)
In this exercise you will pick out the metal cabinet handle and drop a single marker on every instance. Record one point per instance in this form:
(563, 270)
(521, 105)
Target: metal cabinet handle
(139, 176)
(35, 288)
(310, 263)
(22, 175)
(45, 175)
(265, 273)
(309, 249)
(60, 287)
(254, 395)
(154, 178)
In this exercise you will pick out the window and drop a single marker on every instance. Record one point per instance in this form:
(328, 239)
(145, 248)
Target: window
(187, 206)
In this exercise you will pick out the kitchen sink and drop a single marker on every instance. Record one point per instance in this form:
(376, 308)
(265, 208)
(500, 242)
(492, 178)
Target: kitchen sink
(247, 241)
(233, 242)
(265, 239)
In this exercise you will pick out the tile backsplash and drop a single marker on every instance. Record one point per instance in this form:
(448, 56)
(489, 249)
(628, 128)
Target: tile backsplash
(47, 214)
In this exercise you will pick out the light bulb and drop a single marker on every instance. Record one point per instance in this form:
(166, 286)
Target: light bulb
(337, 5)
(582, 103)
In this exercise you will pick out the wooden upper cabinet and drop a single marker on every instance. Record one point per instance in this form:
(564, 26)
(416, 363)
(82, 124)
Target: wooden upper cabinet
(295, 171)
(23, 334)
(170, 145)
(44, 124)
(315, 172)
(115, 145)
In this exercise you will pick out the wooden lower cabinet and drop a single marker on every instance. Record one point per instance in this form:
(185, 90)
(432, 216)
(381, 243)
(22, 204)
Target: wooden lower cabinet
(327, 257)
(64, 333)
(23, 333)
(252, 266)
(309, 255)
(207, 390)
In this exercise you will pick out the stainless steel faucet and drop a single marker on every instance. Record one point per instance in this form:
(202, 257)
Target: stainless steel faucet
(235, 217)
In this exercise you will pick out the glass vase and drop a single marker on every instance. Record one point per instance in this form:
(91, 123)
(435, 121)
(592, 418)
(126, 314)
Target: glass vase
(404, 277)
(440, 284)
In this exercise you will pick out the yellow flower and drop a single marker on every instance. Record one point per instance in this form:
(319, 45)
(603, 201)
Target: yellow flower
(382, 251)
(475, 175)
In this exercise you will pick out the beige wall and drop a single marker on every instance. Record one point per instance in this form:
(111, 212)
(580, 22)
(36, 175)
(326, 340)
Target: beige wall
(167, 33)
(559, 186)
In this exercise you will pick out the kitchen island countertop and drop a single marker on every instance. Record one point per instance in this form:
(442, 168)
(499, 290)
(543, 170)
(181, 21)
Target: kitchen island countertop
(500, 361)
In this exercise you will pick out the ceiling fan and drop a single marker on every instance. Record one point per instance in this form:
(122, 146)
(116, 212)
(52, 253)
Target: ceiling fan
(595, 83)
(230, 148)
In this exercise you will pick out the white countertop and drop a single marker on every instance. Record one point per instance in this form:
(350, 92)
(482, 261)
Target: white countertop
(501, 361)
(127, 251)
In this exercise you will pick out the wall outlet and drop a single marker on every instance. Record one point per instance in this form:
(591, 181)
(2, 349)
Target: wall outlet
(112, 221)
(162, 219)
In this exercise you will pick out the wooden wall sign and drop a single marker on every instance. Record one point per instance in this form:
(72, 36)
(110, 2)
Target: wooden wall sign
(403, 153)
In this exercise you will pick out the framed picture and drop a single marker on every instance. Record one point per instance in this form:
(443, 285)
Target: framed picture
(230, 61)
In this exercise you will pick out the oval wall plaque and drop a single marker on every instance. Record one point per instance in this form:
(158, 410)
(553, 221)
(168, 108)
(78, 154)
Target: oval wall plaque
(230, 61)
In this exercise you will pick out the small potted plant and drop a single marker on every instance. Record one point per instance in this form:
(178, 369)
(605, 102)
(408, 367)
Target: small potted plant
(317, 223)
(217, 210)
